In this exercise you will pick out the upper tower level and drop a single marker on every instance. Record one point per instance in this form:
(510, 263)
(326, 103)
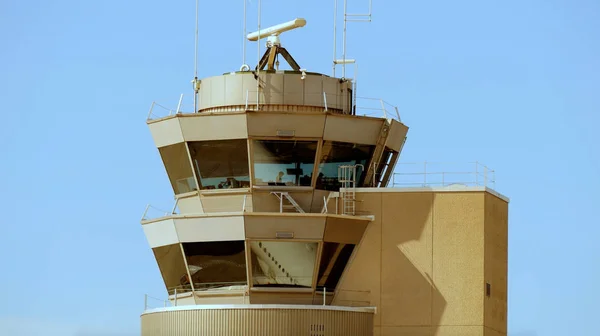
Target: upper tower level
(263, 171)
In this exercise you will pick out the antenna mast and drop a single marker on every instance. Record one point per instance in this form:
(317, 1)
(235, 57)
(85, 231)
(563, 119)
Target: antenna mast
(196, 83)
(353, 18)
(244, 37)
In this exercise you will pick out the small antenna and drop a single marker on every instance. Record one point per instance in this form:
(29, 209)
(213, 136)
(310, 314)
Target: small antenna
(244, 37)
(258, 60)
(353, 18)
(196, 84)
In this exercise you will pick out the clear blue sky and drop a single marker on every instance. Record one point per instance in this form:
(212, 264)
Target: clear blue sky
(511, 83)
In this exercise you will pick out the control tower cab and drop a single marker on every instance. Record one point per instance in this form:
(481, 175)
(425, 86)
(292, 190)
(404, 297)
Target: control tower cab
(265, 174)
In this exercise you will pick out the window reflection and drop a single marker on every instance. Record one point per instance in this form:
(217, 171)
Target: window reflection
(335, 154)
(216, 264)
(284, 162)
(283, 264)
(221, 164)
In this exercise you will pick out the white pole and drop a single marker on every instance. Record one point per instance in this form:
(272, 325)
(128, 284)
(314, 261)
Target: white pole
(344, 42)
(196, 63)
(258, 58)
(244, 36)
(334, 34)
(179, 104)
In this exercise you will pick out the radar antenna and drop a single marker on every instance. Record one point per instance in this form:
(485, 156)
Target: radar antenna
(274, 47)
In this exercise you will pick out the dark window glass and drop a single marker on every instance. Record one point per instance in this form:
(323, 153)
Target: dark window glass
(284, 162)
(335, 154)
(177, 163)
(172, 268)
(283, 264)
(216, 264)
(334, 259)
(221, 164)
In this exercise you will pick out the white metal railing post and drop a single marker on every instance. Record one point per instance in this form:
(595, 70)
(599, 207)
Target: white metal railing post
(145, 302)
(325, 204)
(145, 212)
(485, 176)
(150, 112)
(175, 293)
(244, 204)
(383, 108)
(174, 206)
(397, 113)
(179, 104)
(247, 91)
(325, 100)
(324, 298)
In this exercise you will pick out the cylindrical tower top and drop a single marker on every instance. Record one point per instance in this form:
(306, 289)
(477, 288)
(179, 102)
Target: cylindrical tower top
(276, 90)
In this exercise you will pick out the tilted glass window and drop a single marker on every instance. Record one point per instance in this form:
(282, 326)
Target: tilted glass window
(216, 264)
(283, 264)
(335, 154)
(284, 162)
(334, 258)
(177, 163)
(172, 268)
(221, 164)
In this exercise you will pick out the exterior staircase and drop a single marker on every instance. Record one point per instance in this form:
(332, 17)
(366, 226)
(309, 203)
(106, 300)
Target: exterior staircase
(286, 202)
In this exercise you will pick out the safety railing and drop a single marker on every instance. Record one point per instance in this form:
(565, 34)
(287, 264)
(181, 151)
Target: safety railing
(187, 288)
(376, 107)
(159, 111)
(151, 302)
(443, 174)
(153, 212)
(363, 106)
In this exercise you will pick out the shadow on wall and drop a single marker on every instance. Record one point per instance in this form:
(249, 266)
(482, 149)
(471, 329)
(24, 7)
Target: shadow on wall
(409, 295)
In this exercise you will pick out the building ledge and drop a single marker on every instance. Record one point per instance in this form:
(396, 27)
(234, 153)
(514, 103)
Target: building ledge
(372, 310)
(450, 188)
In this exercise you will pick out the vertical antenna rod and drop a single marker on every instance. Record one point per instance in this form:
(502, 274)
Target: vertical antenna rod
(360, 18)
(196, 63)
(334, 34)
(258, 58)
(244, 36)
(344, 42)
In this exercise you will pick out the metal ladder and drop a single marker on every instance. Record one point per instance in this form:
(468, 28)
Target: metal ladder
(347, 179)
(281, 195)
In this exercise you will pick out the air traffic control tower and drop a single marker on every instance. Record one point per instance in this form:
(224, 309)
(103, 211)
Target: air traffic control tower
(284, 223)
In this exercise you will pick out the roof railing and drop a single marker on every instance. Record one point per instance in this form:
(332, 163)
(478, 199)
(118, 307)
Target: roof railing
(443, 174)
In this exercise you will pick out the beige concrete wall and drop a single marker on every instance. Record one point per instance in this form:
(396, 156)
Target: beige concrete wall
(360, 285)
(361, 130)
(266, 226)
(303, 125)
(396, 135)
(257, 322)
(496, 263)
(237, 89)
(424, 261)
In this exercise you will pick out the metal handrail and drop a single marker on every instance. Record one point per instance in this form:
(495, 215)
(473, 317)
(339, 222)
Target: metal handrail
(152, 115)
(470, 174)
(165, 212)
